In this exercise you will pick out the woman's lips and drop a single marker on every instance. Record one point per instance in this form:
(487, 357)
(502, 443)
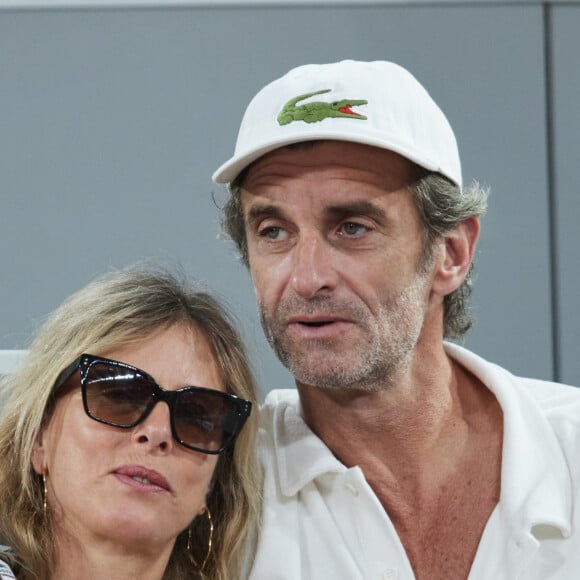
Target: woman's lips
(142, 478)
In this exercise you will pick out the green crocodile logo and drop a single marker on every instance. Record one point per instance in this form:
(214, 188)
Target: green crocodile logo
(318, 110)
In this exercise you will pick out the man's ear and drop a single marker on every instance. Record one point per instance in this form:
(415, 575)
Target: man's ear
(459, 249)
(38, 458)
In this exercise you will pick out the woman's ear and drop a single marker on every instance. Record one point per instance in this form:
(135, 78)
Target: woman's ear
(38, 458)
(457, 256)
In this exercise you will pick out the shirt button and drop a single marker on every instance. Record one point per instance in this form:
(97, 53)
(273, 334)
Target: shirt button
(390, 574)
(350, 487)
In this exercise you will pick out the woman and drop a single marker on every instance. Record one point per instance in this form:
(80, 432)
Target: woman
(113, 462)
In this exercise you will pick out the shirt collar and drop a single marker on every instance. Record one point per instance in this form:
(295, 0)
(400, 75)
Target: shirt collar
(536, 483)
(299, 454)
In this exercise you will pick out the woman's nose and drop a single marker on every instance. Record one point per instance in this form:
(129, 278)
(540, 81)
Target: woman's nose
(155, 429)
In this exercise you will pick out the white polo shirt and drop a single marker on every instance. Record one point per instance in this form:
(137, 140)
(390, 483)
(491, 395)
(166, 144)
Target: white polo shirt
(321, 520)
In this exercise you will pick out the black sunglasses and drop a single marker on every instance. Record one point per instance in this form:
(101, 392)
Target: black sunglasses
(120, 395)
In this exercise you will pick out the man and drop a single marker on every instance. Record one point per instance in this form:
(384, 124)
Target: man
(401, 455)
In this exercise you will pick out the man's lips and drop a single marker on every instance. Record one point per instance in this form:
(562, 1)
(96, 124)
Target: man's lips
(142, 478)
(318, 326)
(316, 320)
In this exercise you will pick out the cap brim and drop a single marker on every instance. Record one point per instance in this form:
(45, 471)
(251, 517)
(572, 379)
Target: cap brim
(227, 172)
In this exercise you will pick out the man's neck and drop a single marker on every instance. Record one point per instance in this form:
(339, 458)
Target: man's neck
(429, 445)
(414, 428)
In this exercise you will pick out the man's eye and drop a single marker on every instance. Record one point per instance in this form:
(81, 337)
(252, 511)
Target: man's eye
(273, 233)
(353, 228)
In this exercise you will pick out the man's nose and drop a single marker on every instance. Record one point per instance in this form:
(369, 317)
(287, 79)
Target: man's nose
(313, 270)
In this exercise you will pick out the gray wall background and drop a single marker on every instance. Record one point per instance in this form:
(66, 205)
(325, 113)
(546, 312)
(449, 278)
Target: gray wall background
(113, 119)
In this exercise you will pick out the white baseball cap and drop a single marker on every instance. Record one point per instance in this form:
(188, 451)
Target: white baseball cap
(375, 103)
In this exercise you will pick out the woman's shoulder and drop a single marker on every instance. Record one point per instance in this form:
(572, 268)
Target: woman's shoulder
(5, 571)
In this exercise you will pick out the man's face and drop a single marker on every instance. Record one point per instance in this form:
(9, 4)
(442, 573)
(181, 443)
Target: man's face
(335, 249)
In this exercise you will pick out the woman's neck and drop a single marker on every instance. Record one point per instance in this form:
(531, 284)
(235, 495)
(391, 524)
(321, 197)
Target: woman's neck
(109, 559)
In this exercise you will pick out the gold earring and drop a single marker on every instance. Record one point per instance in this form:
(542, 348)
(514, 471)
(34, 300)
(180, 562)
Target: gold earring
(45, 493)
(209, 542)
(210, 538)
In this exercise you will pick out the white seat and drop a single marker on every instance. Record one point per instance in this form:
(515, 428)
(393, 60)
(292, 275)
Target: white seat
(9, 360)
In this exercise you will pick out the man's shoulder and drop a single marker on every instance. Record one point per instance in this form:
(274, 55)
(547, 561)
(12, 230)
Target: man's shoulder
(484, 370)
(558, 403)
(546, 392)
(551, 395)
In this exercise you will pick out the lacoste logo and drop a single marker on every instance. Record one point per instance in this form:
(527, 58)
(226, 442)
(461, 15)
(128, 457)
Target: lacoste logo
(318, 110)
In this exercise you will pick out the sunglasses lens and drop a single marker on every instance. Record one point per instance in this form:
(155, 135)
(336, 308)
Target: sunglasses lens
(204, 420)
(117, 395)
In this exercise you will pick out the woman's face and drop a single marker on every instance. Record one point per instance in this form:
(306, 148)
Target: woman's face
(131, 487)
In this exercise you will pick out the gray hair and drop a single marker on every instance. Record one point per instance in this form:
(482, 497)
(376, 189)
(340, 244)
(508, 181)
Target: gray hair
(121, 308)
(442, 206)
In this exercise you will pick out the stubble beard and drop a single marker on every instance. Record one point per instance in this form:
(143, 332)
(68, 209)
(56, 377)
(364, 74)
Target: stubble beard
(375, 356)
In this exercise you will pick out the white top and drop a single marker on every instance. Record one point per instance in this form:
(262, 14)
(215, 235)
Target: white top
(321, 520)
(5, 572)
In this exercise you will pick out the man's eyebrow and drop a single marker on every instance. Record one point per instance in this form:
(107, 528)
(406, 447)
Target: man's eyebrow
(261, 210)
(357, 208)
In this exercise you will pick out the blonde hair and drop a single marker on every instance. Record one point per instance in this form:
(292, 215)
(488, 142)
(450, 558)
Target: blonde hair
(121, 308)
